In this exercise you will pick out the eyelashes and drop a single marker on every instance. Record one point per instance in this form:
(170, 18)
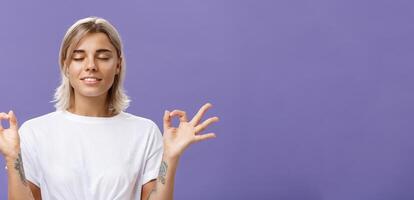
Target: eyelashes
(81, 59)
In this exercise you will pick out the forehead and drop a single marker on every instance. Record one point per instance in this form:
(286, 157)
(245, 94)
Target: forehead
(93, 41)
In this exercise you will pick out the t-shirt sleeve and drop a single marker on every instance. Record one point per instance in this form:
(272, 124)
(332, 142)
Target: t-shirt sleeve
(153, 160)
(29, 154)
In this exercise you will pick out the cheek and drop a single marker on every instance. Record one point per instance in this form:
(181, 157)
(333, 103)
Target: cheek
(73, 73)
(108, 69)
(110, 76)
(75, 68)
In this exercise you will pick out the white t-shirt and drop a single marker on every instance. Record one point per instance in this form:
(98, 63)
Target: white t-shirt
(74, 157)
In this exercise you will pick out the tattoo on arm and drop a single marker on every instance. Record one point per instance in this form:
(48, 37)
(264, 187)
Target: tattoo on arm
(18, 165)
(161, 177)
(163, 172)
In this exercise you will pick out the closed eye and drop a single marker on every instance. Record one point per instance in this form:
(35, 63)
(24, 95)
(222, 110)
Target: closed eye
(77, 59)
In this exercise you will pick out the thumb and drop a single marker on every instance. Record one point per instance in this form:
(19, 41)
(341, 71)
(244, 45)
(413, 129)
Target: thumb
(12, 120)
(167, 120)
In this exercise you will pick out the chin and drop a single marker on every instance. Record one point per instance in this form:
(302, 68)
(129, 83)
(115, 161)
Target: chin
(92, 93)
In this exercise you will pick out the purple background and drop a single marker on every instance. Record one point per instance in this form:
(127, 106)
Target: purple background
(316, 98)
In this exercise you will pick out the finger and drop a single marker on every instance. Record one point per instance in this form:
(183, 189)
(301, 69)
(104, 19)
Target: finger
(199, 138)
(197, 118)
(167, 120)
(181, 114)
(3, 116)
(13, 120)
(206, 123)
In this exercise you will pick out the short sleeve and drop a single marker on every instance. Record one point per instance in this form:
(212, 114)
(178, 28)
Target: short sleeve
(29, 154)
(154, 158)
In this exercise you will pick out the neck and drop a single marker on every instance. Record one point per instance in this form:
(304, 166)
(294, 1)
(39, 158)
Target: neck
(90, 106)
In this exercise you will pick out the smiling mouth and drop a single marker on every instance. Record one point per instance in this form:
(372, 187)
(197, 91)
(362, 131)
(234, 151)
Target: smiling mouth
(91, 80)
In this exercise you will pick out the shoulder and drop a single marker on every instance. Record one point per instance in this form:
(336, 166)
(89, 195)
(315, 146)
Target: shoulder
(39, 121)
(30, 130)
(143, 129)
(145, 125)
(138, 120)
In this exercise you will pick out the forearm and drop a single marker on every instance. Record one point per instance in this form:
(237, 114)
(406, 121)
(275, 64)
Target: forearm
(164, 189)
(18, 187)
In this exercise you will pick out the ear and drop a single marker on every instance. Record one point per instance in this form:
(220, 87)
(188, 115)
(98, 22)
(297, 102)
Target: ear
(118, 67)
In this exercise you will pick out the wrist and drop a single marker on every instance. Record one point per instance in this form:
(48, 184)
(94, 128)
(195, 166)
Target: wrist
(170, 157)
(11, 159)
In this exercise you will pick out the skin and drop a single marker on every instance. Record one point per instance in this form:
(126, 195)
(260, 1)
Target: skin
(176, 141)
(96, 56)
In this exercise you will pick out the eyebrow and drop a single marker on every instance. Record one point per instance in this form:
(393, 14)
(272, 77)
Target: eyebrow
(97, 51)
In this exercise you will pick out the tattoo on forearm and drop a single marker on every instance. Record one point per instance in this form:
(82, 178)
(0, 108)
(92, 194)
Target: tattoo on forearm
(161, 177)
(163, 172)
(18, 165)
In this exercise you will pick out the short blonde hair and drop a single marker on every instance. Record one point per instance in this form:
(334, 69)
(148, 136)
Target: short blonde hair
(117, 98)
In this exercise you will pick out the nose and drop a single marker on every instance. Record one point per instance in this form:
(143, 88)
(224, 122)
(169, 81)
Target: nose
(91, 66)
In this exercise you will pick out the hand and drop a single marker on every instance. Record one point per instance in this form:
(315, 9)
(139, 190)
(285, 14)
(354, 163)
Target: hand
(177, 139)
(9, 138)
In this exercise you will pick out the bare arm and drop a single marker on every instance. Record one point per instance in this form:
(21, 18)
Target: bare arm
(163, 186)
(18, 186)
(176, 140)
(35, 191)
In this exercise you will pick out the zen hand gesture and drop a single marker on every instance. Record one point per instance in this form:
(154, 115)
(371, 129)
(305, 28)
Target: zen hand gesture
(177, 139)
(9, 138)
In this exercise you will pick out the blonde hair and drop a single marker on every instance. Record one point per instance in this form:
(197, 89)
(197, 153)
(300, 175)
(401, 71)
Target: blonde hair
(117, 98)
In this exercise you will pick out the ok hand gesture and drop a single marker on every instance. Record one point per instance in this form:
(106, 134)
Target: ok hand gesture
(9, 137)
(177, 139)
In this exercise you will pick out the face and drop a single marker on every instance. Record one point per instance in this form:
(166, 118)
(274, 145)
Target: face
(93, 66)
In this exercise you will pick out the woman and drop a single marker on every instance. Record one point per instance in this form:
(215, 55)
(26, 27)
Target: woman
(89, 148)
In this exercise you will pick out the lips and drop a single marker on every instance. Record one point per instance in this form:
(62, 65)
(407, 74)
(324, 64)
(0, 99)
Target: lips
(90, 80)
